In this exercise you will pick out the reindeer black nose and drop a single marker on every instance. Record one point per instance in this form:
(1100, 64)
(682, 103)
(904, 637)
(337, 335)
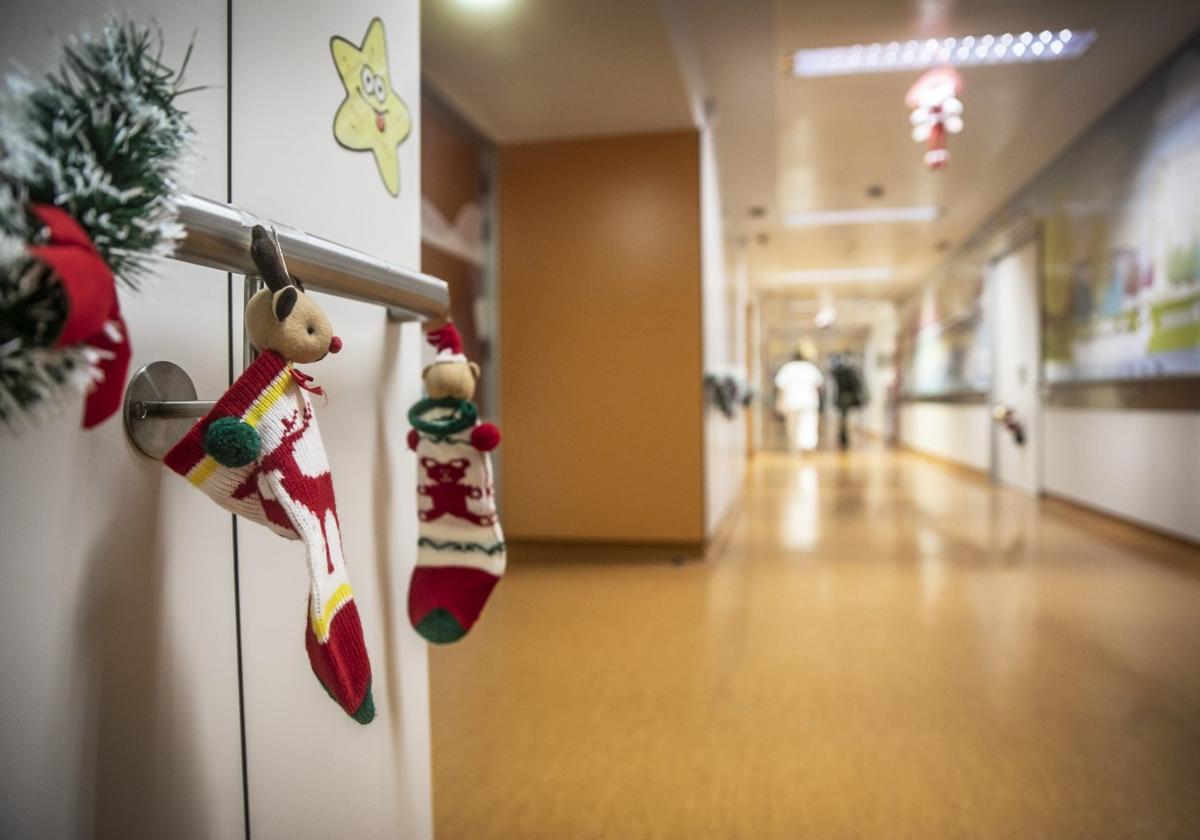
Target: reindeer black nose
(335, 344)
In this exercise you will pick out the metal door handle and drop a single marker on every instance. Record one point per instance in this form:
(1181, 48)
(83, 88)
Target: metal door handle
(160, 405)
(1006, 416)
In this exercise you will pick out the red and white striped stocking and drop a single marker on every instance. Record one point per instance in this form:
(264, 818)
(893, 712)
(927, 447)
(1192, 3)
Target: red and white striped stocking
(259, 454)
(460, 551)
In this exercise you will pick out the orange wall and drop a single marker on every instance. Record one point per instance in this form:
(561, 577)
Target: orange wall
(600, 339)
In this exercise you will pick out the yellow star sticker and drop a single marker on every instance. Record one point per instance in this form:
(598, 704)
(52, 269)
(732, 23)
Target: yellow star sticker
(371, 117)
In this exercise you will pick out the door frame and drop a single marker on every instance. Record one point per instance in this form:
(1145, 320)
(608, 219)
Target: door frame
(1018, 233)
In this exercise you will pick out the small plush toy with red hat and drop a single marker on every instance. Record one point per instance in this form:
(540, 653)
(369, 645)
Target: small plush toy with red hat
(460, 550)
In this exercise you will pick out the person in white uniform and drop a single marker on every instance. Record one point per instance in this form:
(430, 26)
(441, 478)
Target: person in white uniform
(798, 399)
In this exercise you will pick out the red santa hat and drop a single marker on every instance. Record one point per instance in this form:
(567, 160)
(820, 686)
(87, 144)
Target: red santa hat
(448, 344)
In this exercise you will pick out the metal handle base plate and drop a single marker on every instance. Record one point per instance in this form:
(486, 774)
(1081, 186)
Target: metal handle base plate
(152, 427)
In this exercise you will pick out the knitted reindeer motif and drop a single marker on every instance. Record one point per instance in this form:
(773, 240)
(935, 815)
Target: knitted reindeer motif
(312, 492)
(252, 487)
(259, 454)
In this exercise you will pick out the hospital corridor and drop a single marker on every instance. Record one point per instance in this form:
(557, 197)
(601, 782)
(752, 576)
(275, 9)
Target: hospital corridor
(879, 647)
(600, 420)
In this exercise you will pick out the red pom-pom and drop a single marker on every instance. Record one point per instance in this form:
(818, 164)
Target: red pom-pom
(485, 437)
(413, 438)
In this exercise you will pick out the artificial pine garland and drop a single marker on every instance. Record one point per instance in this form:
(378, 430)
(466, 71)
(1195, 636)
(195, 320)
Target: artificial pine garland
(102, 139)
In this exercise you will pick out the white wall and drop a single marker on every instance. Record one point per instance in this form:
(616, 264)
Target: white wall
(956, 432)
(724, 285)
(1143, 465)
(119, 705)
(724, 299)
(879, 372)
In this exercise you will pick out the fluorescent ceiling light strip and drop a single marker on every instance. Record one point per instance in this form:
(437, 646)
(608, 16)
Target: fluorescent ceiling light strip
(862, 216)
(970, 51)
(837, 275)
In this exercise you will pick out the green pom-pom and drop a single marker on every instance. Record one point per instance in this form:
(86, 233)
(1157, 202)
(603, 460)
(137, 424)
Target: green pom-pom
(232, 442)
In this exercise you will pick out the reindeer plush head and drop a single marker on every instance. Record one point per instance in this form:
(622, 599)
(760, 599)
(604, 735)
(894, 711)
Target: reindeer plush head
(282, 317)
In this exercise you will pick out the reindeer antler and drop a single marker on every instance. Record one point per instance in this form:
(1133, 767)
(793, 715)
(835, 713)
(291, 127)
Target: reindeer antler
(268, 259)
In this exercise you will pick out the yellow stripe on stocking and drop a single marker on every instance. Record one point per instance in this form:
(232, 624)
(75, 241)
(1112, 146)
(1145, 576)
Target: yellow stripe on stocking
(253, 416)
(321, 625)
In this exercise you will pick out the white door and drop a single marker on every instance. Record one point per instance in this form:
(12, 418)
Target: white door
(122, 700)
(119, 697)
(314, 772)
(1013, 283)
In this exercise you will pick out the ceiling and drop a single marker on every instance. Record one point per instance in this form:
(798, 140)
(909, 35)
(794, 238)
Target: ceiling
(836, 136)
(533, 70)
(789, 318)
(530, 70)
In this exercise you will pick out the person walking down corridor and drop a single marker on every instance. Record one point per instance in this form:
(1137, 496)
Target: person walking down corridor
(798, 401)
(850, 394)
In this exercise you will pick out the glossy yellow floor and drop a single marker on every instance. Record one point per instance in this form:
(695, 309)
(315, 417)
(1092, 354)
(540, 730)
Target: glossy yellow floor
(882, 648)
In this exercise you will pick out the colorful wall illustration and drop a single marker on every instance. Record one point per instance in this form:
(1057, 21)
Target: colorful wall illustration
(1121, 256)
(944, 346)
(1119, 218)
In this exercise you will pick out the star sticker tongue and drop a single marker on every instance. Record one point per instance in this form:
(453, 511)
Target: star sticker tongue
(379, 123)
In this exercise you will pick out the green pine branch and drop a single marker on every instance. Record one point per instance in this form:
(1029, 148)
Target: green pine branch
(101, 136)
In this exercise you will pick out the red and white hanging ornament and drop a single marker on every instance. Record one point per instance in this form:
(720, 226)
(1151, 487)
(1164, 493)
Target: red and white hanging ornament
(936, 112)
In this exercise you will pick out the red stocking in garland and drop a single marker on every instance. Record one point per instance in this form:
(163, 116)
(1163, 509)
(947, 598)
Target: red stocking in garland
(93, 315)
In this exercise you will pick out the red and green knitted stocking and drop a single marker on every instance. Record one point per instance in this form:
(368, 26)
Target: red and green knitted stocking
(460, 551)
(259, 454)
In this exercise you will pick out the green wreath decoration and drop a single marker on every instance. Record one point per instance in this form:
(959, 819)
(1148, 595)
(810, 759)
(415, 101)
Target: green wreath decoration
(90, 159)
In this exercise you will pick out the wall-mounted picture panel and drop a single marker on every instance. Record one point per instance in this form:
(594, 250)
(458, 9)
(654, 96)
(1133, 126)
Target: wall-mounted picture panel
(1121, 262)
(944, 346)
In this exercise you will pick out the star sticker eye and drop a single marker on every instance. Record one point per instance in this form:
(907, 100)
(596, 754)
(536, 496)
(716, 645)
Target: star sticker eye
(380, 89)
(368, 79)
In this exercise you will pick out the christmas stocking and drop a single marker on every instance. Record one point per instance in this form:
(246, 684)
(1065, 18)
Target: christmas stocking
(460, 552)
(258, 453)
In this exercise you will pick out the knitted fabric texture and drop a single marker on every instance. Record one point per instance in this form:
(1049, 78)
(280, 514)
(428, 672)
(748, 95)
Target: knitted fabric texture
(460, 550)
(289, 489)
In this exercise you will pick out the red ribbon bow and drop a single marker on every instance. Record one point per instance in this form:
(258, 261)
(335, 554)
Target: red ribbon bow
(93, 313)
(302, 379)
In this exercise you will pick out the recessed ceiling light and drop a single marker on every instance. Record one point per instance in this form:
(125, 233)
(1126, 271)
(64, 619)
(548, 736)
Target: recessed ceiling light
(836, 275)
(862, 216)
(483, 4)
(969, 51)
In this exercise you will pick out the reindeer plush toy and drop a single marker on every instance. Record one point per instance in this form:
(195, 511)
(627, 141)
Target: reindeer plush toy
(460, 551)
(258, 453)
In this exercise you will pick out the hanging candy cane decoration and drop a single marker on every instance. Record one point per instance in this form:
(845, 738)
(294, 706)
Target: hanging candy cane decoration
(936, 112)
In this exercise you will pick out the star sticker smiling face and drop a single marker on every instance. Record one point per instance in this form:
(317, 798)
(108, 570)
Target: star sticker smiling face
(371, 117)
